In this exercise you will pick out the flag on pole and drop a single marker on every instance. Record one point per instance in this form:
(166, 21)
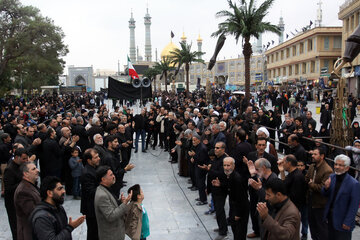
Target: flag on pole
(132, 72)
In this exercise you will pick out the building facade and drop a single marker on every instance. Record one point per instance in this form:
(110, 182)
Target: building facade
(349, 13)
(228, 71)
(81, 76)
(306, 59)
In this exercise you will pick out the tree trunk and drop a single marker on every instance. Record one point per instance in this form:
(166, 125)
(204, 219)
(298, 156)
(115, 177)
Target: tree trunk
(187, 67)
(247, 51)
(165, 75)
(154, 83)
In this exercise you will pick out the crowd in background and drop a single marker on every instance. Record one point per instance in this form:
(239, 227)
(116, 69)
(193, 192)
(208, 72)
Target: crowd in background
(265, 149)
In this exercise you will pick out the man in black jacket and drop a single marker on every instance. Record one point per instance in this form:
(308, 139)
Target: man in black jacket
(12, 178)
(260, 153)
(49, 217)
(296, 149)
(218, 194)
(88, 189)
(242, 148)
(139, 127)
(5, 154)
(200, 157)
(112, 159)
(236, 186)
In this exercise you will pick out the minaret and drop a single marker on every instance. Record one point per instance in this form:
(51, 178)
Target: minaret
(183, 38)
(281, 26)
(199, 43)
(156, 59)
(319, 15)
(147, 22)
(132, 39)
(259, 44)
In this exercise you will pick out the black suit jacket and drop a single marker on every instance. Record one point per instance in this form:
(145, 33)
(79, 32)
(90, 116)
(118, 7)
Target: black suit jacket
(253, 156)
(88, 189)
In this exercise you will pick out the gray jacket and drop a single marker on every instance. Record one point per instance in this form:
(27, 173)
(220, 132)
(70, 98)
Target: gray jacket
(110, 216)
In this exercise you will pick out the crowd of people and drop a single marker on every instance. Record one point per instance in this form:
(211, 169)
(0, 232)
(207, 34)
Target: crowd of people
(270, 162)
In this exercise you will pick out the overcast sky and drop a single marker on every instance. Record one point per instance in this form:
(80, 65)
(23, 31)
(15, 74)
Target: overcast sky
(97, 32)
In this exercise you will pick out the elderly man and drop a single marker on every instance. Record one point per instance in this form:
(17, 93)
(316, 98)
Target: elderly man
(236, 186)
(217, 135)
(343, 195)
(26, 197)
(283, 220)
(99, 145)
(110, 215)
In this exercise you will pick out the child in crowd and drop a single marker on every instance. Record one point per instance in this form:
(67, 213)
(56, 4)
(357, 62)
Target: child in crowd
(137, 221)
(76, 166)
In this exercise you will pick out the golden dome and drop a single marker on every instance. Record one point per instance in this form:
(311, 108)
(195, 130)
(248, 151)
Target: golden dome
(199, 38)
(183, 38)
(166, 51)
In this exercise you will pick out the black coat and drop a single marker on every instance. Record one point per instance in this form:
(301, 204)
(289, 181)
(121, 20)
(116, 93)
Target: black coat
(236, 186)
(83, 142)
(216, 171)
(5, 154)
(51, 157)
(253, 156)
(89, 184)
(300, 153)
(48, 220)
(241, 149)
(12, 178)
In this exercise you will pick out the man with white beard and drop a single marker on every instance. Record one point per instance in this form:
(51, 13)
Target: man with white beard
(343, 195)
(236, 186)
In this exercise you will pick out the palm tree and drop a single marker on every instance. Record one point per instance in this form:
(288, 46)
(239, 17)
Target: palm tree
(151, 73)
(164, 66)
(185, 56)
(246, 21)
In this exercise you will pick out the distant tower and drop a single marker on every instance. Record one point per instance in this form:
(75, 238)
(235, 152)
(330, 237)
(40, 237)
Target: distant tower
(132, 39)
(318, 21)
(156, 59)
(183, 38)
(199, 43)
(147, 22)
(259, 44)
(281, 26)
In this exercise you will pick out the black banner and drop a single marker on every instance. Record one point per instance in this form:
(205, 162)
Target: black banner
(126, 91)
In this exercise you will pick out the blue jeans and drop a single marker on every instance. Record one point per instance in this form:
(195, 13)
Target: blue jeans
(76, 186)
(304, 219)
(141, 132)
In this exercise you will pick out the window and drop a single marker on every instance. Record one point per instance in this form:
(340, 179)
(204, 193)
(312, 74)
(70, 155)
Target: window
(290, 70)
(352, 22)
(304, 68)
(326, 63)
(287, 52)
(326, 43)
(277, 57)
(337, 42)
(301, 48)
(284, 71)
(296, 69)
(347, 22)
(310, 45)
(294, 50)
(312, 66)
(282, 55)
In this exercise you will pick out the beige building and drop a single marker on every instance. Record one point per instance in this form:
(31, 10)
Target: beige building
(305, 59)
(349, 13)
(231, 71)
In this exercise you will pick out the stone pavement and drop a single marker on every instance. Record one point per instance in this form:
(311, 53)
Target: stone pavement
(171, 206)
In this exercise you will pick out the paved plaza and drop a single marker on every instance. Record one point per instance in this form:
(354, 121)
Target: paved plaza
(170, 204)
